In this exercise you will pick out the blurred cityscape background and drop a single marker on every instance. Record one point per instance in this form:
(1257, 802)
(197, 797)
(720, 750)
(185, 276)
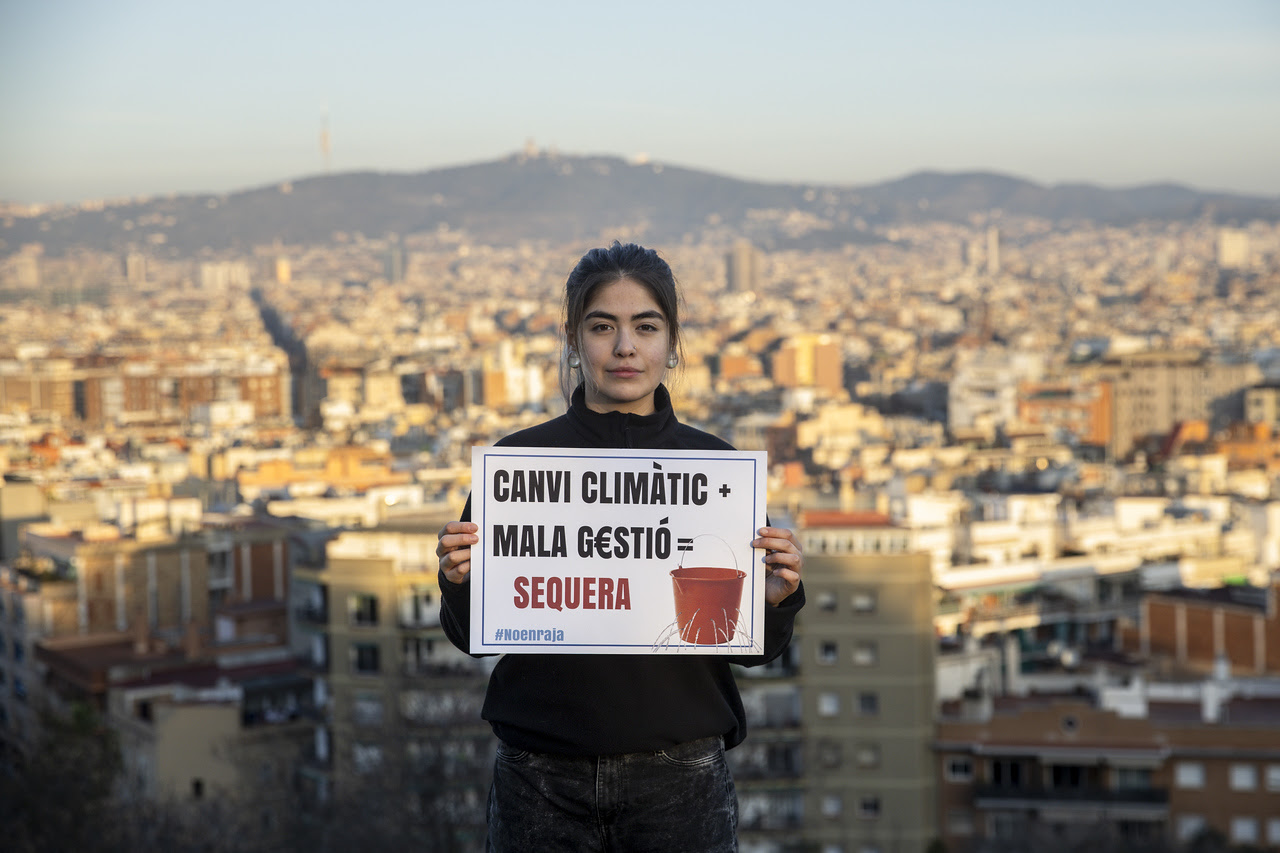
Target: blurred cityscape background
(1019, 383)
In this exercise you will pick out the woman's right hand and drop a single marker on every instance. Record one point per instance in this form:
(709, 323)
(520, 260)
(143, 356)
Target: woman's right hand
(454, 549)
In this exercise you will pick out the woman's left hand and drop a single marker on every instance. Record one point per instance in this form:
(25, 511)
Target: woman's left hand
(783, 560)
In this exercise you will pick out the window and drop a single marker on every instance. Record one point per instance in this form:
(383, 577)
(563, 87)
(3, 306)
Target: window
(959, 770)
(1189, 774)
(1273, 777)
(364, 658)
(960, 822)
(1066, 776)
(832, 805)
(830, 754)
(869, 808)
(1244, 777)
(1190, 826)
(868, 704)
(865, 653)
(864, 601)
(364, 609)
(828, 652)
(1005, 826)
(1006, 773)
(868, 755)
(19, 651)
(368, 709)
(1273, 830)
(827, 601)
(1244, 830)
(320, 650)
(1133, 778)
(417, 607)
(367, 757)
(828, 704)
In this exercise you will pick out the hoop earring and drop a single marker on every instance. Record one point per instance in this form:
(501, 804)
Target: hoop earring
(573, 360)
(672, 361)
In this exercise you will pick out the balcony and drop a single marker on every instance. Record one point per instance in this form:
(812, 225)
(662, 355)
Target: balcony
(443, 669)
(273, 717)
(312, 614)
(1008, 797)
(408, 622)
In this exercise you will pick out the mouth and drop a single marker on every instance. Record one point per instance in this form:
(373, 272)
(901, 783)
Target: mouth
(624, 372)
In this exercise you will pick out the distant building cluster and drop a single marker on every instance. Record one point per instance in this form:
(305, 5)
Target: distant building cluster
(1036, 474)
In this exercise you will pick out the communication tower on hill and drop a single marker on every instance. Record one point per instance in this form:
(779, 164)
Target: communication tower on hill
(324, 136)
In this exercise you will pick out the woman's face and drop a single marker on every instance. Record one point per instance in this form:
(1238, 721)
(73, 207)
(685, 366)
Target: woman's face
(624, 341)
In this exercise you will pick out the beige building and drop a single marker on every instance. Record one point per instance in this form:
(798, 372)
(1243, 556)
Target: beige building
(1262, 404)
(394, 694)
(227, 584)
(866, 649)
(77, 583)
(810, 360)
(217, 732)
(1155, 391)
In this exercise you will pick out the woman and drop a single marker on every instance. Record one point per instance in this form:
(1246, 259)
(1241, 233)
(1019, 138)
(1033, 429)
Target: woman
(617, 752)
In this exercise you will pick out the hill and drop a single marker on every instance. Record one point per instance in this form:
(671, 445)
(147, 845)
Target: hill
(561, 199)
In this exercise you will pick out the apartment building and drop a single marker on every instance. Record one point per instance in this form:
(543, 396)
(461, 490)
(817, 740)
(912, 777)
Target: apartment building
(96, 588)
(1137, 765)
(1262, 405)
(99, 391)
(314, 470)
(21, 502)
(866, 649)
(1197, 629)
(983, 394)
(1155, 391)
(394, 696)
(234, 727)
(809, 361)
(1082, 410)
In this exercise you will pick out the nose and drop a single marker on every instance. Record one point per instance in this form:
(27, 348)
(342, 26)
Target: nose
(624, 346)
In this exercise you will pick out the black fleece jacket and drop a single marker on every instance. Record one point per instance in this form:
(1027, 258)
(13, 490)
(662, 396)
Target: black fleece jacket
(607, 704)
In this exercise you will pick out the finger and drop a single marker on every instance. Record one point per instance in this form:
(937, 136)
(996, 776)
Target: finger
(458, 527)
(777, 535)
(459, 573)
(455, 558)
(453, 541)
(769, 543)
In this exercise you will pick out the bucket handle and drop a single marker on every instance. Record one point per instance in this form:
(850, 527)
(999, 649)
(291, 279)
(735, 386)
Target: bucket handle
(732, 553)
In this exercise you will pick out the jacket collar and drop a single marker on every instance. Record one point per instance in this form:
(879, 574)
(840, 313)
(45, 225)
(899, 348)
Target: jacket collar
(623, 429)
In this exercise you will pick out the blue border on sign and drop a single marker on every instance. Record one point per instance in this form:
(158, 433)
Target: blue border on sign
(484, 632)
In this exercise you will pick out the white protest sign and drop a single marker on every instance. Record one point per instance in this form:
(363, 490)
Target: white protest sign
(586, 551)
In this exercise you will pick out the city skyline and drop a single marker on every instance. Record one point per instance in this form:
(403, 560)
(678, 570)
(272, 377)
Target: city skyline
(150, 99)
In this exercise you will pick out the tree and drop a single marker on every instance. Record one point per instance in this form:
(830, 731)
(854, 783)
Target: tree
(60, 796)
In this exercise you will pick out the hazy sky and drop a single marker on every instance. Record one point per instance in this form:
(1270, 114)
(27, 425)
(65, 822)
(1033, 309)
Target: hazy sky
(127, 97)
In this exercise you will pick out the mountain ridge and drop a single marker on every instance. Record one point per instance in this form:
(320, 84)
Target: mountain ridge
(576, 198)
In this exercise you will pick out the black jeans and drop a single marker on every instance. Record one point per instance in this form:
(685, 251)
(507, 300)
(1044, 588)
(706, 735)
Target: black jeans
(679, 799)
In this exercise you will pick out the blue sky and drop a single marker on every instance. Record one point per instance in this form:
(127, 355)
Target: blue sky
(132, 97)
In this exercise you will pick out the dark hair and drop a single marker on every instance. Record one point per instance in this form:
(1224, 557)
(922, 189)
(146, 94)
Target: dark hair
(605, 266)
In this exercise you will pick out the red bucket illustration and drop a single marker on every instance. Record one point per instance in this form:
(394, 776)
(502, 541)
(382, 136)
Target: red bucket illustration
(707, 600)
